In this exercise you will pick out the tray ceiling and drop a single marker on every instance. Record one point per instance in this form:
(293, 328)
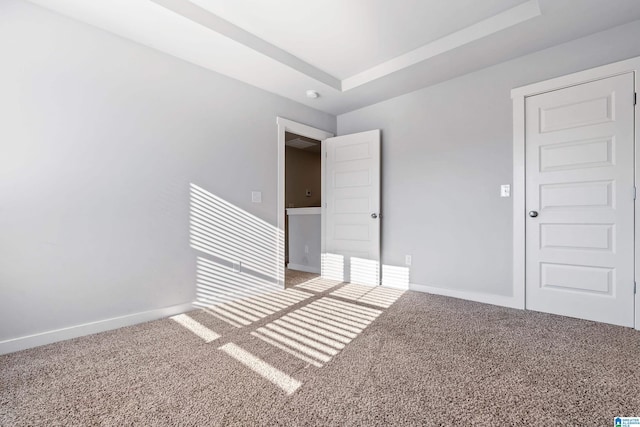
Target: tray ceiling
(353, 53)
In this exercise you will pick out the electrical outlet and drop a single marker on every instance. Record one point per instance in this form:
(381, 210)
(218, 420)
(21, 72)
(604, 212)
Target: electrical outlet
(236, 266)
(256, 196)
(407, 260)
(505, 190)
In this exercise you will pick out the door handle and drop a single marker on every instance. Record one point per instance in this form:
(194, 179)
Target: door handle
(374, 215)
(533, 214)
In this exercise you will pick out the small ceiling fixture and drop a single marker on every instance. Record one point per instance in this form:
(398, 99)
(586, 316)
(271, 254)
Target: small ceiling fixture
(312, 94)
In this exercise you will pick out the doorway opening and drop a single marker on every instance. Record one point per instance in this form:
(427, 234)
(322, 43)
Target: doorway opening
(303, 212)
(289, 131)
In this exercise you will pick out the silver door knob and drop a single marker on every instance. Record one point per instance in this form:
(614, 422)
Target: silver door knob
(533, 214)
(374, 215)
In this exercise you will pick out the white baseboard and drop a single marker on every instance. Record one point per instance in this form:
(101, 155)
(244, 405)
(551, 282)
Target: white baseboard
(30, 341)
(307, 268)
(395, 285)
(493, 299)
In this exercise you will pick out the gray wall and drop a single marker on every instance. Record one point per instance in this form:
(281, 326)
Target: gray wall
(100, 139)
(445, 151)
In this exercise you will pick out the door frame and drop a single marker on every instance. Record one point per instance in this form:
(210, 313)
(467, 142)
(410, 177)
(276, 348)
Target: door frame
(519, 96)
(286, 125)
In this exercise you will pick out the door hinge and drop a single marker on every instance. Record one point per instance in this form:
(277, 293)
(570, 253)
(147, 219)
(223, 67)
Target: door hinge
(635, 98)
(635, 287)
(635, 192)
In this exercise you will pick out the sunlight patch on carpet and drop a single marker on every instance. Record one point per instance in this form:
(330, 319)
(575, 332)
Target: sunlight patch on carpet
(318, 331)
(377, 296)
(245, 311)
(196, 327)
(288, 384)
(318, 285)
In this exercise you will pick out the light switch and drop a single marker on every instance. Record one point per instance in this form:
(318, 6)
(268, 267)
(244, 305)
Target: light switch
(505, 190)
(256, 196)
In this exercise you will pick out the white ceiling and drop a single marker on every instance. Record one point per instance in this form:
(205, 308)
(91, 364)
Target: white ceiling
(353, 52)
(344, 38)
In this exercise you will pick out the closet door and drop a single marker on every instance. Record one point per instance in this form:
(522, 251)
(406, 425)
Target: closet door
(580, 201)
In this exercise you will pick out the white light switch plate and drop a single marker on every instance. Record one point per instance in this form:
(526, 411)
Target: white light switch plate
(505, 190)
(256, 196)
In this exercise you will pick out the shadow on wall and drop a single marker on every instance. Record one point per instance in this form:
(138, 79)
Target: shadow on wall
(222, 230)
(238, 281)
(242, 249)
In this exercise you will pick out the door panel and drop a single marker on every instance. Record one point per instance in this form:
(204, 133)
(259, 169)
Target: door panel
(351, 196)
(575, 113)
(576, 154)
(577, 236)
(580, 180)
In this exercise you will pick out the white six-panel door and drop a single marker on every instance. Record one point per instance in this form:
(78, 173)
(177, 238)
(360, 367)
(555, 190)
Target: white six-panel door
(351, 208)
(580, 201)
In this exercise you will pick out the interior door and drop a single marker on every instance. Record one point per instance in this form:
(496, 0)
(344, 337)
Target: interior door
(351, 208)
(580, 201)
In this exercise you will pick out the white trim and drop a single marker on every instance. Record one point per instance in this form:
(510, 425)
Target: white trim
(304, 211)
(586, 76)
(323, 200)
(636, 87)
(501, 300)
(493, 24)
(193, 11)
(518, 194)
(35, 340)
(285, 125)
(306, 268)
(402, 287)
(519, 96)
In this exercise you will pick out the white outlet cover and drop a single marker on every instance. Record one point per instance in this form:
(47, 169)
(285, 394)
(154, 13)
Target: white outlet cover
(505, 190)
(407, 259)
(236, 266)
(256, 196)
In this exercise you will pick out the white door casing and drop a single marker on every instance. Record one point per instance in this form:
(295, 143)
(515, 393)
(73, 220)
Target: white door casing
(580, 181)
(351, 208)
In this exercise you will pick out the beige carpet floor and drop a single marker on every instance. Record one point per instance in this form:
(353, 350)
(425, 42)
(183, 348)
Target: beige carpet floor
(294, 277)
(332, 355)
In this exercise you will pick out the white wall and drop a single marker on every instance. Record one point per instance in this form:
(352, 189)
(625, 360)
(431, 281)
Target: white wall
(445, 151)
(305, 239)
(100, 139)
